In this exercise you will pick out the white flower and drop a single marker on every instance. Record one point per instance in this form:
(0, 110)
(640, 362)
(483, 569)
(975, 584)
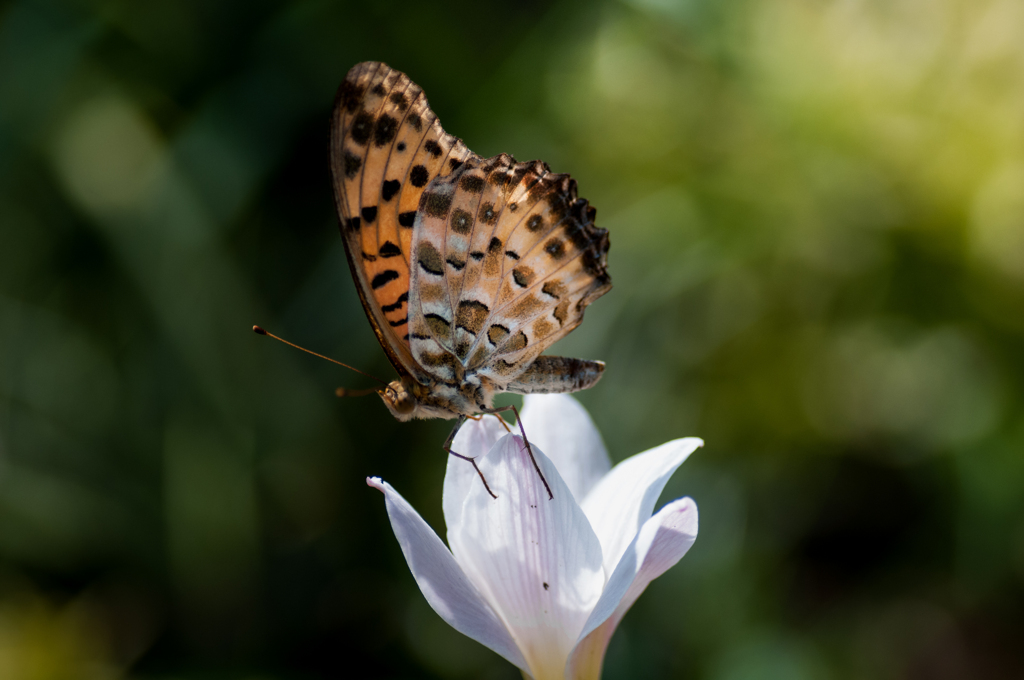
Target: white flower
(544, 582)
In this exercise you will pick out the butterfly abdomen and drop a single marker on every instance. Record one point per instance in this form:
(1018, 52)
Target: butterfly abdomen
(557, 374)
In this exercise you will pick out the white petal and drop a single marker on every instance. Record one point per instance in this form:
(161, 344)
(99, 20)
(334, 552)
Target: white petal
(475, 438)
(442, 582)
(535, 560)
(624, 498)
(660, 543)
(563, 429)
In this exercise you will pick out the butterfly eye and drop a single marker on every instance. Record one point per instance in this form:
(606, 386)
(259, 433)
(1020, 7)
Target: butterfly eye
(404, 404)
(398, 399)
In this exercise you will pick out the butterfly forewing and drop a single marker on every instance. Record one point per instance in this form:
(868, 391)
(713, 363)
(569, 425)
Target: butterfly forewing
(386, 147)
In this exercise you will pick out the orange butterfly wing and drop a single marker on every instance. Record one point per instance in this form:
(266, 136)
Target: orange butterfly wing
(386, 147)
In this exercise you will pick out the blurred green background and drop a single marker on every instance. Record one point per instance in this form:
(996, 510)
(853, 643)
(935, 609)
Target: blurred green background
(817, 216)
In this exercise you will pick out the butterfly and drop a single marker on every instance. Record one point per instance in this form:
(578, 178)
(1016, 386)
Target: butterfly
(468, 268)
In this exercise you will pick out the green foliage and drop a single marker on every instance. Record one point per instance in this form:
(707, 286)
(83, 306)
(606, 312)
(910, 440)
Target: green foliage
(817, 217)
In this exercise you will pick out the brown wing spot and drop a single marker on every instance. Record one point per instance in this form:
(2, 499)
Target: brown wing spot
(543, 328)
(504, 367)
(369, 214)
(555, 289)
(389, 189)
(399, 100)
(558, 206)
(432, 147)
(407, 219)
(487, 214)
(523, 276)
(476, 254)
(379, 90)
(433, 292)
(436, 204)
(414, 120)
(352, 223)
(540, 189)
(525, 308)
(507, 293)
(594, 258)
(454, 163)
(385, 131)
(471, 316)
(369, 258)
(419, 176)
(496, 333)
(461, 221)
(492, 266)
(555, 248)
(352, 164)
(455, 263)
(439, 326)
(577, 234)
(512, 207)
(512, 254)
(472, 184)
(479, 356)
(442, 360)
(430, 260)
(389, 249)
(535, 223)
(350, 94)
(383, 279)
(562, 312)
(362, 126)
(518, 342)
(402, 299)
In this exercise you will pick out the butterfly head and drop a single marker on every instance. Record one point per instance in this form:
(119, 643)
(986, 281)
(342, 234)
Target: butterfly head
(399, 399)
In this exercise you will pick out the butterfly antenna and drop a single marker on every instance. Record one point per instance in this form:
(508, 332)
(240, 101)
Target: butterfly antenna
(346, 392)
(341, 391)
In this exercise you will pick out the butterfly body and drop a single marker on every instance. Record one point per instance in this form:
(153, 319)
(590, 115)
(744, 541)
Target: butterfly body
(468, 268)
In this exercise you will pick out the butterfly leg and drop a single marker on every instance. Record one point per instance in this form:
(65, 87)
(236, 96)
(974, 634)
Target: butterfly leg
(448, 448)
(500, 420)
(529, 449)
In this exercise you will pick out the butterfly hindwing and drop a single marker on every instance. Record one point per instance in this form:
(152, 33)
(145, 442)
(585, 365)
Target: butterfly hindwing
(386, 147)
(506, 259)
